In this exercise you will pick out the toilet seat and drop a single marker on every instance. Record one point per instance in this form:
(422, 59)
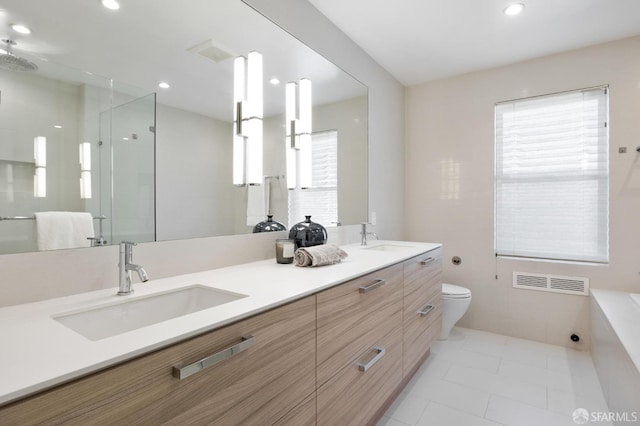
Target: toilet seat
(451, 291)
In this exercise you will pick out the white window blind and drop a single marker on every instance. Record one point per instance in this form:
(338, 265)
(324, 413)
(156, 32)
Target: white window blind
(321, 200)
(552, 177)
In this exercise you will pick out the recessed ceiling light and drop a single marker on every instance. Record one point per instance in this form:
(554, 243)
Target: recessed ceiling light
(57, 126)
(513, 9)
(110, 4)
(19, 28)
(274, 81)
(164, 85)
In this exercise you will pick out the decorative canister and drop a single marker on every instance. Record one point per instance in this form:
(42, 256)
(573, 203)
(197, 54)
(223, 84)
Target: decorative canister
(269, 225)
(308, 233)
(284, 251)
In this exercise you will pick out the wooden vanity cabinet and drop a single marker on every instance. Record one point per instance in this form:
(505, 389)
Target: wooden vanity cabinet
(422, 306)
(272, 379)
(337, 357)
(359, 346)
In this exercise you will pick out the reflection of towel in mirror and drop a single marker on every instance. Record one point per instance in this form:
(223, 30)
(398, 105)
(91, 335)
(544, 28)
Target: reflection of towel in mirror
(255, 204)
(325, 254)
(60, 230)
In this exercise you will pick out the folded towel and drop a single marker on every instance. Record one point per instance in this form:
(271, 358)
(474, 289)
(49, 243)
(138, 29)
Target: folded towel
(61, 230)
(255, 204)
(325, 254)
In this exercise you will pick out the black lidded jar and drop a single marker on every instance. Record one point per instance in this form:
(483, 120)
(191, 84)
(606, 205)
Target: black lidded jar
(308, 233)
(269, 225)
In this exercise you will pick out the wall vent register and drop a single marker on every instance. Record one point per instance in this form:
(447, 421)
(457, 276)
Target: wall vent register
(552, 283)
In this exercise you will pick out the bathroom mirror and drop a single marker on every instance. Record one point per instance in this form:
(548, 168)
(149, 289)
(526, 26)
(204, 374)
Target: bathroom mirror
(162, 158)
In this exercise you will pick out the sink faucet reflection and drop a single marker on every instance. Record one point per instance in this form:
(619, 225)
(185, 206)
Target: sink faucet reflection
(364, 234)
(125, 265)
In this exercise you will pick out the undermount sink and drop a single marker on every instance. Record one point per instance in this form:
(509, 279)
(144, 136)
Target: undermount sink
(389, 247)
(106, 321)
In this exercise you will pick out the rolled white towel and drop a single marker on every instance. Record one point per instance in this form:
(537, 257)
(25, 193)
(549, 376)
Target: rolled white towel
(325, 254)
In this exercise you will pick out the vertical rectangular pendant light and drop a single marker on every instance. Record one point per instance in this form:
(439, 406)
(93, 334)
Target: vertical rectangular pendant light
(248, 114)
(85, 170)
(40, 177)
(299, 130)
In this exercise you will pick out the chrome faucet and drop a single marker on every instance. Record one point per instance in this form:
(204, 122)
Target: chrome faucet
(364, 233)
(125, 265)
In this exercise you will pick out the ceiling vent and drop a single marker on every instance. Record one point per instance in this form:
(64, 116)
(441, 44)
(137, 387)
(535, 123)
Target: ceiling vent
(212, 51)
(552, 283)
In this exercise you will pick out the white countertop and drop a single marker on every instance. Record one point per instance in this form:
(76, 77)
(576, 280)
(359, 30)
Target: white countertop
(39, 352)
(623, 312)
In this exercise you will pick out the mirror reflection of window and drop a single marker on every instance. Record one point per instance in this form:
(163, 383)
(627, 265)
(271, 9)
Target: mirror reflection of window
(321, 200)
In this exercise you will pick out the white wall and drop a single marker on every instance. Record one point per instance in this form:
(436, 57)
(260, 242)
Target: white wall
(193, 179)
(449, 190)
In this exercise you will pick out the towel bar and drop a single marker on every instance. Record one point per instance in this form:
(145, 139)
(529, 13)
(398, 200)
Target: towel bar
(34, 218)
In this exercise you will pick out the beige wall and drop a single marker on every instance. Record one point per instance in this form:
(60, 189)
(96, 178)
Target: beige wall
(449, 186)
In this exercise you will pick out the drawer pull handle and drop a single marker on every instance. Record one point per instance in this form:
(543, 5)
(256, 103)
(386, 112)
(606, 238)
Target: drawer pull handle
(427, 261)
(425, 310)
(182, 372)
(380, 354)
(372, 286)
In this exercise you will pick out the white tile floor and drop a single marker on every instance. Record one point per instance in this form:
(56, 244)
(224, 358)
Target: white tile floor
(483, 379)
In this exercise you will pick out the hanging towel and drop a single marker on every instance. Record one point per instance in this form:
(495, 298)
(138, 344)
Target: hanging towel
(255, 204)
(60, 230)
(325, 254)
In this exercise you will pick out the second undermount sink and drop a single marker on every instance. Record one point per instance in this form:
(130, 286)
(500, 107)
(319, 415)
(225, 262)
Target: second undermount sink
(110, 320)
(389, 247)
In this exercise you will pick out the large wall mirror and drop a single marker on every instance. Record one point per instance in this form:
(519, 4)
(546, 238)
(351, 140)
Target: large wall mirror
(84, 126)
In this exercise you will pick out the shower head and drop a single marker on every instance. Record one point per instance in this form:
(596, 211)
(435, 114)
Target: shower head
(14, 63)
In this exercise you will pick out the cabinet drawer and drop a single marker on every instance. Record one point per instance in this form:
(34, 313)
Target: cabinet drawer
(353, 396)
(422, 306)
(256, 386)
(303, 415)
(425, 267)
(354, 315)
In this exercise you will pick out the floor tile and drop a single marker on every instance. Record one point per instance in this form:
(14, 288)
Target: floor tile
(514, 413)
(567, 402)
(407, 408)
(440, 415)
(475, 360)
(540, 376)
(476, 378)
(528, 393)
(388, 421)
(451, 394)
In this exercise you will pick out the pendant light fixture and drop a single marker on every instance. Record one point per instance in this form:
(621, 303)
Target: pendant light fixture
(40, 177)
(247, 120)
(85, 170)
(299, 129)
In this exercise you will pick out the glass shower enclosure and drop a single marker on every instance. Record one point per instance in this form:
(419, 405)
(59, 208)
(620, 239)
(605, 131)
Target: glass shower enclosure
(127, 171)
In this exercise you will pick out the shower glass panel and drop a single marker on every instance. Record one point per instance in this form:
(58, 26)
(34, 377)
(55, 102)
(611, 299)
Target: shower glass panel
(127, 179)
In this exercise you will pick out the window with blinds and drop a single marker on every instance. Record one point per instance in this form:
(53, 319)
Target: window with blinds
(321, 200)
(552, 177)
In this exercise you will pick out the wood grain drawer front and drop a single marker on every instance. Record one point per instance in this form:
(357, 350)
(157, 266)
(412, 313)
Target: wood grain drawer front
(422, 305)
(350, 320)
(426, 266)
(353, 396)
(257, 386)
(303, 415)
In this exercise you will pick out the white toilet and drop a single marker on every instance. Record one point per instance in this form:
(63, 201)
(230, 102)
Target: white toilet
(455, 302)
